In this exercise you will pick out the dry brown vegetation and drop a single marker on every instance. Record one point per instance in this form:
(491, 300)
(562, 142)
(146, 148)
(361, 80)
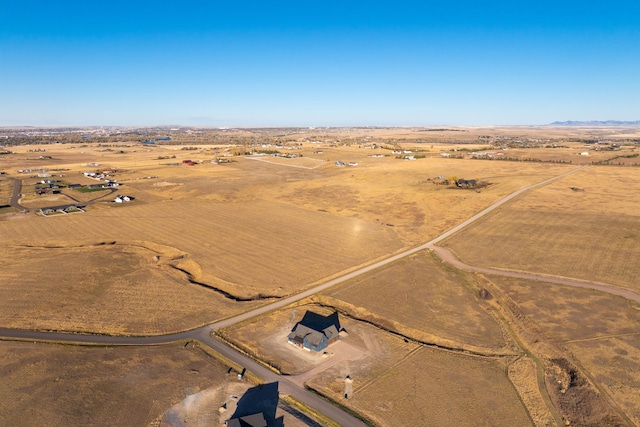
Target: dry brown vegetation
(109, 288)
(600, 331)
(47, 384)
(6, 189)
(388, 376)
(421, 298)
(198, 239)
(431, 387)
(254, 229)
(590, 234)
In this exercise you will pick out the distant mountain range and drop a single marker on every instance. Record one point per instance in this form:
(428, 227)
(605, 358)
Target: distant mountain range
(596, 123)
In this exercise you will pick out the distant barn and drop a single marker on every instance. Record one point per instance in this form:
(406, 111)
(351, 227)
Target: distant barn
(465, 183)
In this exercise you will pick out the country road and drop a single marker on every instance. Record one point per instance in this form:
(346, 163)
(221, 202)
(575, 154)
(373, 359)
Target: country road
(449, 258)
(204, 334)
(15, 196)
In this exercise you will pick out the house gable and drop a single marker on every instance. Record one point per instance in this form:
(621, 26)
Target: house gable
(315, 332)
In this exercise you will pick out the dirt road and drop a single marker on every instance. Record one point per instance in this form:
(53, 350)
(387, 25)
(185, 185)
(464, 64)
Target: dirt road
(449, 258)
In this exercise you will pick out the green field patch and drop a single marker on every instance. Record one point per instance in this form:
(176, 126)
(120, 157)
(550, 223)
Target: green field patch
(88, 190)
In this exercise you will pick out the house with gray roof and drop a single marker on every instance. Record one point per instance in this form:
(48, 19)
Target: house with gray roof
(315, 332)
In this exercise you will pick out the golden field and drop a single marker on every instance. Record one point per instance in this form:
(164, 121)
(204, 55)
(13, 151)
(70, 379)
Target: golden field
(107, 386)
(583, 226)
(254, 229)
(598, 330)
(117, 289)
(205, 242)
(6, 189)
(431, 387)
(421, 298)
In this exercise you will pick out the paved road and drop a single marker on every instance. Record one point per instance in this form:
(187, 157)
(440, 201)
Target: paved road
(203, 334)
(15, 197)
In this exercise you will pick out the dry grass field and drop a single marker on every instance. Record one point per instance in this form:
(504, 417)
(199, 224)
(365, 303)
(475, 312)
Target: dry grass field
(396, 382)
(6, 189)
(583, 226)
(600, 331)
(422, 298)
(204, 242)
(254, 229)
(248, 249)
(400, 195)
(46, 384)
(431, 387)
(121, 289)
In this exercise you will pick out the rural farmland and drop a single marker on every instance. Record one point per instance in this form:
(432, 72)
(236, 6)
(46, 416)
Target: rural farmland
(233, 224)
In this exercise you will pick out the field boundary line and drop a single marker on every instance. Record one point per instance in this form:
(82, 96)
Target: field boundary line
(284, 164)
(386, 371)
(603, 337)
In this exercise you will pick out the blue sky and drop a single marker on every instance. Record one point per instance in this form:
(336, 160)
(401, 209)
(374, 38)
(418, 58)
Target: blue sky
(329, 63)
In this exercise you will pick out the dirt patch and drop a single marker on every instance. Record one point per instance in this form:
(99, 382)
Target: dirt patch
(199, 409)
(266, 339)
(214, 406)
(45, 201)
(575, 397)
(167, 184)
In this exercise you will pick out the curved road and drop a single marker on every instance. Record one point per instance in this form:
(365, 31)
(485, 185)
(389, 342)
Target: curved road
(203, 334)
(449, 258)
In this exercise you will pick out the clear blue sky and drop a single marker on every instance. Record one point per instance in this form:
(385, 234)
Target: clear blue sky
(317, 63)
